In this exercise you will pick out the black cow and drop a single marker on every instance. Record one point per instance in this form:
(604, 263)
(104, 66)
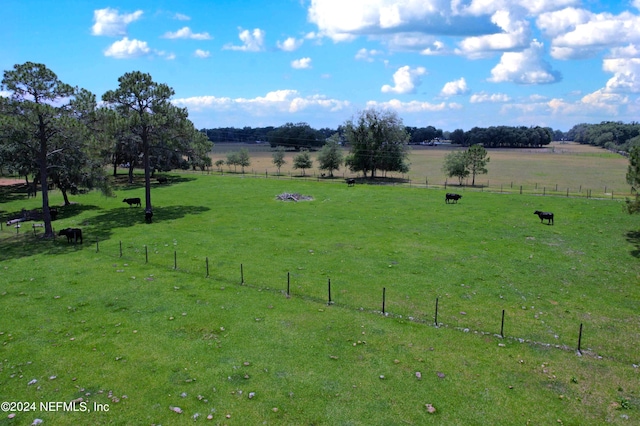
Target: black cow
(451, 196)
(351, 181)
(132, 201)
(545, 216)
(162, 179)
(72, 234)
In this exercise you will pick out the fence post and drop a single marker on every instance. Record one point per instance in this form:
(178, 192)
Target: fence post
(329, 287)
(146, 254)
(241, 275)
(502, 325)
(520, 189)
(97, 246)
(580, 340)
(120, 248)
(175, 259)
(384, 290)
(207, 263)
(436, 317)
(288, 283)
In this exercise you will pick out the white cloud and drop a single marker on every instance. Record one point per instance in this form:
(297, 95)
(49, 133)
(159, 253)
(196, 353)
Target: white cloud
(181, 17)
(413, 106)
(405, 80)
(515, 34)
(290, 44)
(281, 101)
(578, 33)
(483, 97)
(251, 41)
(626, 75)
(126, 48)
(456, 87)
(526, 67)
(108, 22)
(199, 53)
(5, 93)
(367, 55)
(186, 32)
(301, 64)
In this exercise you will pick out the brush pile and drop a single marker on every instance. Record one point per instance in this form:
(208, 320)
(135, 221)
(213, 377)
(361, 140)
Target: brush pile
(287, 196)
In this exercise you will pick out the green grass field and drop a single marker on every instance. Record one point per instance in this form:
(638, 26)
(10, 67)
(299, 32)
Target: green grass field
(135, 335)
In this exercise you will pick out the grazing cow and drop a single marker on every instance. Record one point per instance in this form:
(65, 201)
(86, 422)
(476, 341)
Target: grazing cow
(74, 234)
(132, 201)
(162, 179)
(453, 197)
(545, 216)
(351, 182)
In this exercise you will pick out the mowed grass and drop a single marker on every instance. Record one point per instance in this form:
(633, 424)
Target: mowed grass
(553, 169)
(144, 336)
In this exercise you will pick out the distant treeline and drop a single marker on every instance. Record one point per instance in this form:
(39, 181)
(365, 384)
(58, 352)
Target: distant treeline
(301, 135)
(612, 135)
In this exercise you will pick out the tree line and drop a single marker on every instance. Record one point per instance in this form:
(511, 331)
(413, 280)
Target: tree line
(57, 134)
(612, 135)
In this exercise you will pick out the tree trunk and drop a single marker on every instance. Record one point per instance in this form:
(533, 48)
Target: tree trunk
(130, 172)
(148, 210)
(65, 196)
(46, 213)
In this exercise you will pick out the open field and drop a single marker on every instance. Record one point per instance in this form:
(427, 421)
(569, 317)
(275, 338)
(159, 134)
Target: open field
(130, 321)
(571, 166)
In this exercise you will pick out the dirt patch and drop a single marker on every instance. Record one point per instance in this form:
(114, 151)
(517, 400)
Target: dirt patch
(10, 181)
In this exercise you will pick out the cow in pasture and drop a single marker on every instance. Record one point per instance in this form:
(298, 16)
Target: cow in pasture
(162, 179)
(452, 197)
(132, 201)
(545, 216)
(148, 215)
(72, 234)
(351, 181)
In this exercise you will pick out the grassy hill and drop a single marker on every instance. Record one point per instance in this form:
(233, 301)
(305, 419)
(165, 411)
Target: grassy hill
(130, 321)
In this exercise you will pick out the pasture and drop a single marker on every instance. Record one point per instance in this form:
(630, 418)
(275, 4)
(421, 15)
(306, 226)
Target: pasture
(553, 169)
(130, 321)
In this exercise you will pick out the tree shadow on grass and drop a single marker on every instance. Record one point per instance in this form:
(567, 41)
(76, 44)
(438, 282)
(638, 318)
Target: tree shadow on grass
(13, 192)
(15, 245)
(634, 238)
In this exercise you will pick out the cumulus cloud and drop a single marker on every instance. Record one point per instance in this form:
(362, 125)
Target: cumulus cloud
(515, 35)
(301, 64)
(251, 41)
(186, 32)
(108, 22)
(453, 88)
(290, 44)
(626, 75)
(284, 101)
(578, 33)
(526, 67)
(125, 48)
(367, 55)
(405, 80)
(199, 53)
(483, 97)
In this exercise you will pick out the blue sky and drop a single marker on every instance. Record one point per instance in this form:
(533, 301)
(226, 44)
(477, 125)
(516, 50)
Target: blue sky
(446, 63)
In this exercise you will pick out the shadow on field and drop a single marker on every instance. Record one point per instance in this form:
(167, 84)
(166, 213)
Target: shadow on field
(121, 182)
(15, 245)
(634, 238)
(13, 192)
(103, 225)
